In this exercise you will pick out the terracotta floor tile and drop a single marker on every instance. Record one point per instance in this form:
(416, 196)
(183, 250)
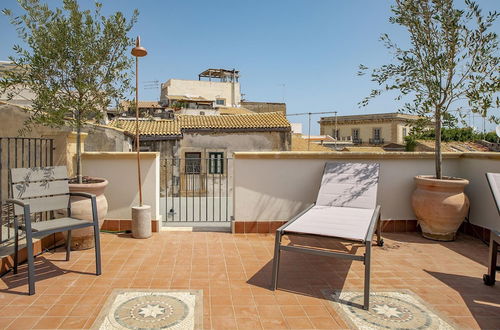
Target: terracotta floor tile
(269, 311)
(243, 300)
(235, 280)
(73, 323)
(298, 323)
(5, 321)
(226, 322)
(245, 311)
(221, 310)
(316, 311)
(273, 323)
(49, 322)
(247, 323)
(36, 310)
(220, 300)
(292, 311)
(23, 323)
(323, 323)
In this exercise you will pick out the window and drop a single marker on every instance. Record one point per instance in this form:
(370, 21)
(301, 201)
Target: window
(336, 134)
(220, 101)
(193, 162)
(355, 133)
(405, 131)
(376, 133)
(216, 162)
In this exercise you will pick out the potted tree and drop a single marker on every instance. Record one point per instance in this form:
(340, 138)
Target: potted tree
(75, 62)
(450, 67)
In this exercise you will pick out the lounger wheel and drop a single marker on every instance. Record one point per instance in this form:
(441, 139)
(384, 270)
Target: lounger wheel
(488, 280)
(381, 242)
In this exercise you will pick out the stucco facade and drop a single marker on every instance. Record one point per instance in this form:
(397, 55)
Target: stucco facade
(375, 129)
(218, 92)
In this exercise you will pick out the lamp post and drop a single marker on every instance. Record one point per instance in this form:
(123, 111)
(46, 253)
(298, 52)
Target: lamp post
(141, 215)
(138, 51)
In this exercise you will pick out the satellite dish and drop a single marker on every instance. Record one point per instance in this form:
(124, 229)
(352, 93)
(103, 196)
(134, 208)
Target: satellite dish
(498, 130)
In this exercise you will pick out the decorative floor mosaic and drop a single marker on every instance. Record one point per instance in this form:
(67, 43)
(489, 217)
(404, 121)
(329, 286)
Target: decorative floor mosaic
(388, 310)
(152, 309)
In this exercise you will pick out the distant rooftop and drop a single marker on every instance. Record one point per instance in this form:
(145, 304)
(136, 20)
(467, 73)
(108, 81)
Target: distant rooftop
(370, 117)
(244, 122)
(220, 74)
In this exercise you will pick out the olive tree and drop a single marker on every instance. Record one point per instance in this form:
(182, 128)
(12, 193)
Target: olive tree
(75, 61)
(451, 65)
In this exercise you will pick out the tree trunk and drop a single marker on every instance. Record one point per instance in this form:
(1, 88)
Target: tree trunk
(437, 147)
(78, 153)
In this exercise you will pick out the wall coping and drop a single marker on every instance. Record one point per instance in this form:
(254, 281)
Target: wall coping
(118, 154)
(362, 155)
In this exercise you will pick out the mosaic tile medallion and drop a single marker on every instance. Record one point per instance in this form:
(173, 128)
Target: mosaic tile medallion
(152, 309)
(388, 310)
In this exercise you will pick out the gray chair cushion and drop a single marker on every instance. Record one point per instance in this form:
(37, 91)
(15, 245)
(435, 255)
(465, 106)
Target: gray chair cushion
(342, 222)
(349, 185)
(57, 223)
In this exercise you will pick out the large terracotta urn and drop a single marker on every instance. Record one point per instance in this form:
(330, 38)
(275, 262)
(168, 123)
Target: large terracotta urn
(81, 208)
(440, 206)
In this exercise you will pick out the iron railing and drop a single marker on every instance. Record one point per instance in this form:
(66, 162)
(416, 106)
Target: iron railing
(376, 141)
(19, 152)
(197, 189)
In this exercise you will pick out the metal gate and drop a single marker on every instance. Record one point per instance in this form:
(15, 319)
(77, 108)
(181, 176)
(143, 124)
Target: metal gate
(196, 189)
(19, 152)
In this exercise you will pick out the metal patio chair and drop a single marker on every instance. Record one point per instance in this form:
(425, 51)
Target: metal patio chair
(494, 183)
(44, 189)
(345, 208)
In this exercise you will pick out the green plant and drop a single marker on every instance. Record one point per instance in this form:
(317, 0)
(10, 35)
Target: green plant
(75, 62)
(410, 143)
(452, 61)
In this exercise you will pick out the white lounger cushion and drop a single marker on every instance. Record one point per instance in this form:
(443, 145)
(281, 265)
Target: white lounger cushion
(349, 185)
(342, 222)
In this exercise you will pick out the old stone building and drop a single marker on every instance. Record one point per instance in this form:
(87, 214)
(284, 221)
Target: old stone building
(196, 151)
(372, 129)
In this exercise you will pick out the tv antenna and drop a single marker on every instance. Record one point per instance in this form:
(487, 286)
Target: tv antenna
(309, 114)
(152, 85)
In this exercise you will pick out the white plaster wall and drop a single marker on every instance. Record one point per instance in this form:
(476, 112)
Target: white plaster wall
(207, 89)
(483, 209)
(120, 169)
(277, 189)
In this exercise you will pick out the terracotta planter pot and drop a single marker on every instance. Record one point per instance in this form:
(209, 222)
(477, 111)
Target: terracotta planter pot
(440, 206)
(81, 208)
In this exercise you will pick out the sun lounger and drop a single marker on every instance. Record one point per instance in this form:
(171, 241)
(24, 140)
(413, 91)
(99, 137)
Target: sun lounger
(345, 209)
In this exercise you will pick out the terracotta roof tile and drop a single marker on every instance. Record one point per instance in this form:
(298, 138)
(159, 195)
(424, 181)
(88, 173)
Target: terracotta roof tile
(242, 121)
(149, 127)
(268, 120)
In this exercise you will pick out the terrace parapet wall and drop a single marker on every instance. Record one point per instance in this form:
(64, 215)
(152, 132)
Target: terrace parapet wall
(271, 187)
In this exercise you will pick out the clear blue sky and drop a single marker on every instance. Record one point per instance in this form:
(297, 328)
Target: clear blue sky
(303, 52)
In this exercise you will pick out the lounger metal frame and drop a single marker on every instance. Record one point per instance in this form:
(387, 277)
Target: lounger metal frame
(375, 227)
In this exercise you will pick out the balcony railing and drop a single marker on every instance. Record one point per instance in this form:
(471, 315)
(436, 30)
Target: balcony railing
(376, 141)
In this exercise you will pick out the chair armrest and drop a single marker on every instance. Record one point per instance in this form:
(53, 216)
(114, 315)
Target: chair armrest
(17, 202)
(280, 229)
(82, 194)
(26, 209)
(93, 202)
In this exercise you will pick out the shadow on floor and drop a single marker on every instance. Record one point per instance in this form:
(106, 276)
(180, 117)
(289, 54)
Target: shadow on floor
(465, 245)
(306, 274)
(44, 269)
(482, 301)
